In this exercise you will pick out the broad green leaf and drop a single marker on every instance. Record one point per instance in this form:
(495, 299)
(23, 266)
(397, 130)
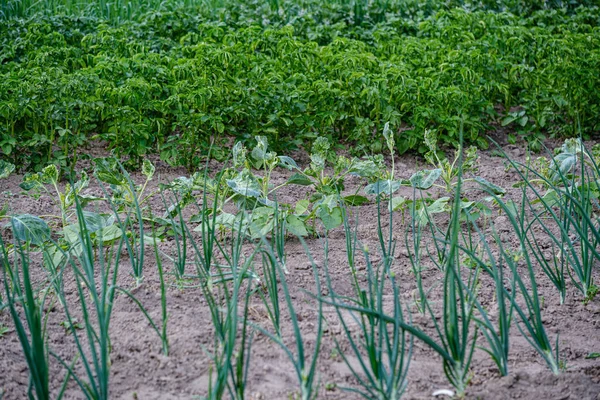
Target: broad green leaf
(423, 212)
(465, 204)
(299, 179)
(27, 184)
(438, 206)
(364, 168)
(551, 198)
(95, 222)
(425, 179)
(523, 120)
(398, 203)
(148, 169)
(30, 229)
(110, 233)
(6, 169)
(71, 233)
(296, 226)
(261, 222)
(331, 218)
(355, 200)
(301, 207)
(383, 187)
(330, 201)
(495, 189)
(564, 164)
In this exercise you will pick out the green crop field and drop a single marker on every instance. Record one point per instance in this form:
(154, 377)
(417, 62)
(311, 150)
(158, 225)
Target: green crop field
(379, 199)
(168, 80)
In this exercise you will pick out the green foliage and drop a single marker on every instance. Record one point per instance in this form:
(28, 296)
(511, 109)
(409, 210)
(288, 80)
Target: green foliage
(289, 74)
(6, 169)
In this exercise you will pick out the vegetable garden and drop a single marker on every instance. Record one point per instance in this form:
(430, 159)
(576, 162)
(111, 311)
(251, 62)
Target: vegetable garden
(299, 199)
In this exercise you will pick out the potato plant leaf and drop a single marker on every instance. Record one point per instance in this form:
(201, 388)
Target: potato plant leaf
(6, 169)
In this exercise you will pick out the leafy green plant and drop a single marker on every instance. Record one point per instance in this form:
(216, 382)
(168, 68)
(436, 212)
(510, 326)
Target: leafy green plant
(126, 201)
(147, 90)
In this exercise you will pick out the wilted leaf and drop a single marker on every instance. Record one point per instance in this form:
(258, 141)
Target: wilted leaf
(108, 170)
(287, 162)
(383, 187)
(364, 168)
(389, 136)
(245, 184)
(425, 179)
(49, 174)
(239, 155)
(148, 169)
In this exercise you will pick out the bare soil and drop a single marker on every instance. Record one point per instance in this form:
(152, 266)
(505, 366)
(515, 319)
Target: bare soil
(140, 371)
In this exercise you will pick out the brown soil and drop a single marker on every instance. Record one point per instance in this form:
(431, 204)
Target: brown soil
(140, 371)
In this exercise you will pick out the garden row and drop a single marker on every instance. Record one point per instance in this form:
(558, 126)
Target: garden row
(172, 83)
(451, 235)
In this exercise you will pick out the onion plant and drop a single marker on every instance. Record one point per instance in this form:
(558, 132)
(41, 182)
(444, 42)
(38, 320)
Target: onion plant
(95, 270)
(19, 289)
(130, 221)
(179, 234)
(224, 289)
(530, 325)
(458, 336)
(569, 206)
(162, 331)
(306, 370)
(497, 334)
(225, 285)
(383, 348)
